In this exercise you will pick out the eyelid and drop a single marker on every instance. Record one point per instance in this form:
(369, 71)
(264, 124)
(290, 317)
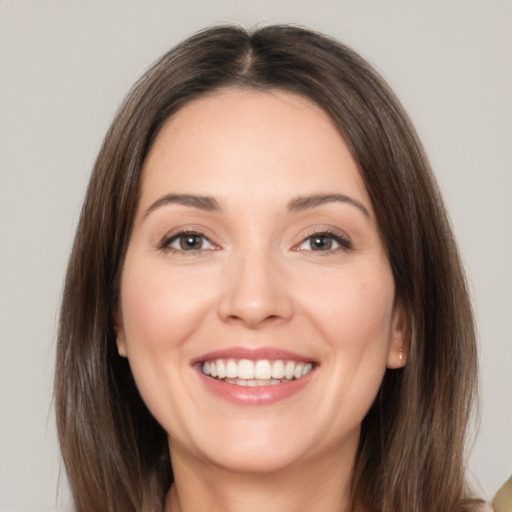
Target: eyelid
(342, 239)
(165, 242)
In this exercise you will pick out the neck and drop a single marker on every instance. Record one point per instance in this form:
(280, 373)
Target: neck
(314, 485)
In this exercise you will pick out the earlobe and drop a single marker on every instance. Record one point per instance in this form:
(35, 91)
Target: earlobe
(121, 347)
(120, 337)
(398, 347)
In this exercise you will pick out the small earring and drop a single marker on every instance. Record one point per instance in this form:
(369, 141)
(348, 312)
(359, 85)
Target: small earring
(401, 353)
(121, 350)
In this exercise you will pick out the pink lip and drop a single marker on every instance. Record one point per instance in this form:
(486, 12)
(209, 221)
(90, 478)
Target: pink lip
(252, 354)
(257, 395)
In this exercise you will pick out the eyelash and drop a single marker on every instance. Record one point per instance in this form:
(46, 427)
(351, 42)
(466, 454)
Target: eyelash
(343, 242)
(166, 243)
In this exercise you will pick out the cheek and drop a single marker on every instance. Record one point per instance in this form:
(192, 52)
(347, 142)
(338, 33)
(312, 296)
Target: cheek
(357, 311)
(355, 319)
(161, 308)
(161, 311)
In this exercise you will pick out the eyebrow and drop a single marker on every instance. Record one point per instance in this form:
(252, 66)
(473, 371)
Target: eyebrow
(298, 204)
(308, 202)
(205, 203)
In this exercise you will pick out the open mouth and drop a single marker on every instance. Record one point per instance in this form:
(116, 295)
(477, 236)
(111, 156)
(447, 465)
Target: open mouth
(263, 372)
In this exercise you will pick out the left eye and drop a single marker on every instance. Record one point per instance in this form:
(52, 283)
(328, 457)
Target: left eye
(322, 242)
(188, 242)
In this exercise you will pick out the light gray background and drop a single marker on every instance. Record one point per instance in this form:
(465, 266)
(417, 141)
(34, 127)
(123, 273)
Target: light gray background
(66, 65)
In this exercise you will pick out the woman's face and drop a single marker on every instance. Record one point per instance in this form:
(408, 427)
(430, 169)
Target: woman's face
(257, 300)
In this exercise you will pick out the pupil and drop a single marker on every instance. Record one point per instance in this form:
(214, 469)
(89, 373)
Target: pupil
(188, 242)
(321, 242)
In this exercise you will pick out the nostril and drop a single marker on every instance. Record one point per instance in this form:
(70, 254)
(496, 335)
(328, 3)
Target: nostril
(252, 296)
(255, 321)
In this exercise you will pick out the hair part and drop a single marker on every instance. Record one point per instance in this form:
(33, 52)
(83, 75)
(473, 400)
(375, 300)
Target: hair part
(411, 452)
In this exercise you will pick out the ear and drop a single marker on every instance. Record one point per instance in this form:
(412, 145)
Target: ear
(120, 336)
(398, 346)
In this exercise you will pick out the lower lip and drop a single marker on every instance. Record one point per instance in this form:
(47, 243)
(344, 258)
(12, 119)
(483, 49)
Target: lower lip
(254, 395)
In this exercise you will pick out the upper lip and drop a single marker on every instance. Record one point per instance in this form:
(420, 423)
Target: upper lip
(254, 354)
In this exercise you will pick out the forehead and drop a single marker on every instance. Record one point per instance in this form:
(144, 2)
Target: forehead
(257, 142)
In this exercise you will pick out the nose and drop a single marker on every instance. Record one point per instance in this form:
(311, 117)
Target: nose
(256, 293)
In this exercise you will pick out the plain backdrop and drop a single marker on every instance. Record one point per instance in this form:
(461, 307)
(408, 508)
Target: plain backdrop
(65, 67)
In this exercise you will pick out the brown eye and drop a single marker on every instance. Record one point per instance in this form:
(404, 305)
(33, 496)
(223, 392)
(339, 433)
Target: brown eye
(320, 243)
(187, 241)
(190, 242)
(324, 242)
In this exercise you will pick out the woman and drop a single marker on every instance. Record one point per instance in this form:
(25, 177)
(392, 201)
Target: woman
(264, 306)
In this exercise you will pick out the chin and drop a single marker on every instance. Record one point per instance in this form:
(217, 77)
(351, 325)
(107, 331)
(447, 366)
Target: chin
(249, 449)
(260, 461)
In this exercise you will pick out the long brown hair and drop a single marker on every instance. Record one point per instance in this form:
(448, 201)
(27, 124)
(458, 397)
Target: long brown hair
(410, 456)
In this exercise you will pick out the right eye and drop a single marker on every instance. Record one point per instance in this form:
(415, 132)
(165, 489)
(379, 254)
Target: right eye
(187, 241)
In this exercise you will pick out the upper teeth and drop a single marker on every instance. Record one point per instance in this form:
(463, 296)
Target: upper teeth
(262, 369)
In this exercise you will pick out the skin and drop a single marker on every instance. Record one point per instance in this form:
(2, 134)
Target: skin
(256, 281)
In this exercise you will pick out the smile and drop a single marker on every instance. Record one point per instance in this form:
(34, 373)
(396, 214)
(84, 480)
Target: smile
(255, 377)
(263, 372)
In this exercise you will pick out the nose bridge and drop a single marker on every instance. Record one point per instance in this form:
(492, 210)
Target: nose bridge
(256, 290)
